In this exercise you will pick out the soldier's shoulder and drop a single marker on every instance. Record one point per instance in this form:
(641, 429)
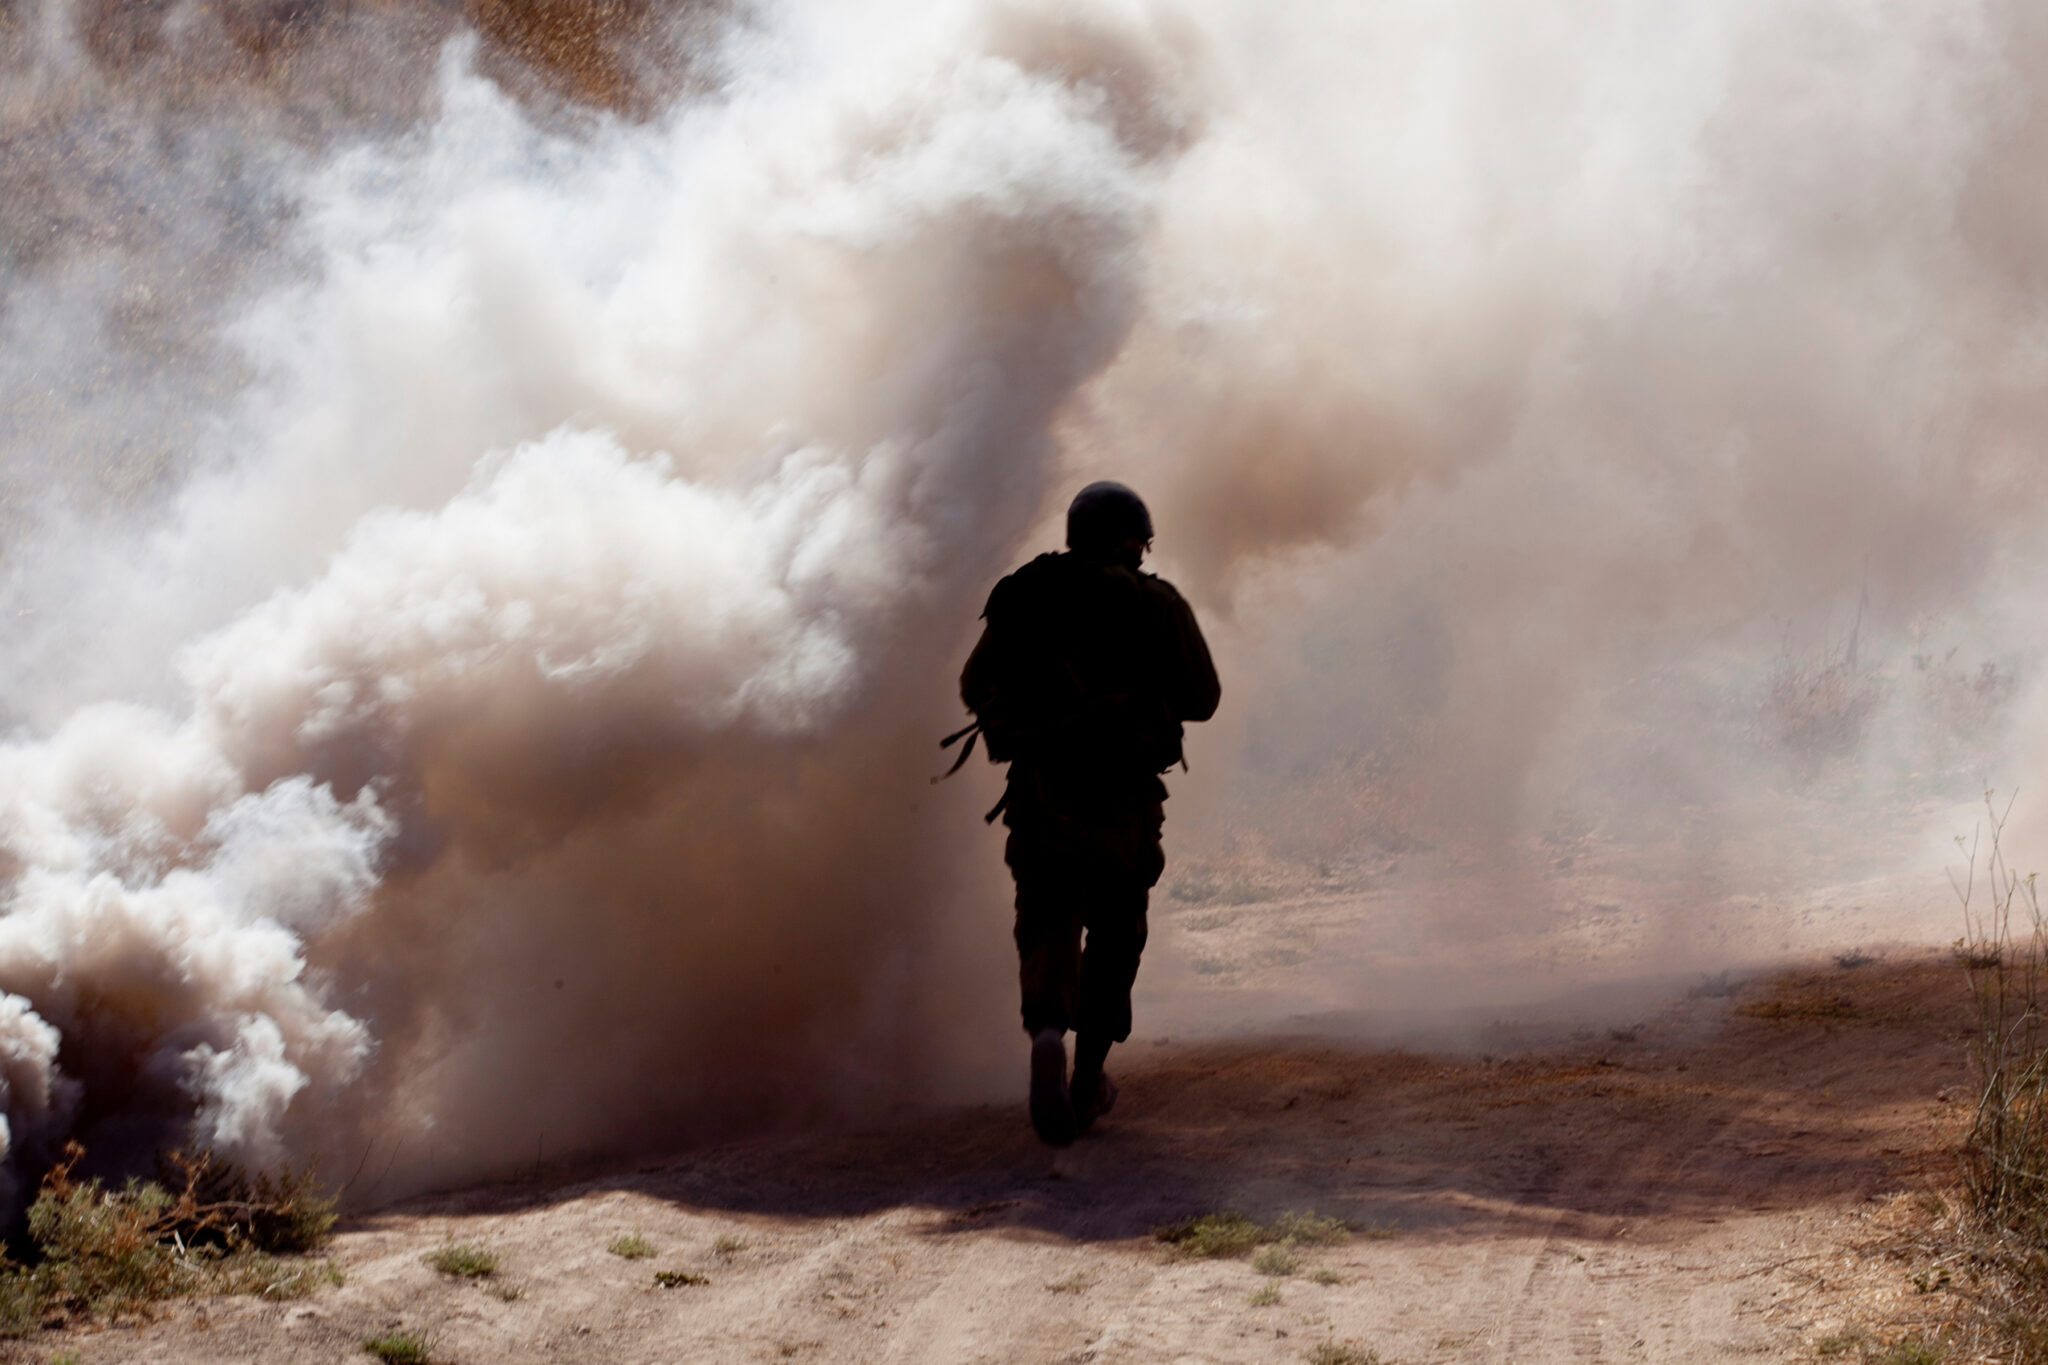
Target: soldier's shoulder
(1160, 588)
(1025, 584)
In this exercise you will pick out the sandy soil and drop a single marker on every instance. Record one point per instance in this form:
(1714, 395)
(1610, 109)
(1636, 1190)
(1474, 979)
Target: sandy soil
(1698, 1188)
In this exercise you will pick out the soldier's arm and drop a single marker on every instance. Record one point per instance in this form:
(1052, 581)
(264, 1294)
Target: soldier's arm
(978, 680)
(1195, 689)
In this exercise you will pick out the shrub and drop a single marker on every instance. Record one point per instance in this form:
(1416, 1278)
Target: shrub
(105, 1253)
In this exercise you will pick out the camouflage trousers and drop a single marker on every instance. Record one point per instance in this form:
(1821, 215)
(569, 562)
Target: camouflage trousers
(1082, 888)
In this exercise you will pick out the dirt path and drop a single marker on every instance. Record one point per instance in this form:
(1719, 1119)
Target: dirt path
(1681, 1192)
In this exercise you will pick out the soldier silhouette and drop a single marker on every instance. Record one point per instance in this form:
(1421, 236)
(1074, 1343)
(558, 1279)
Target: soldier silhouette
(1084, 674)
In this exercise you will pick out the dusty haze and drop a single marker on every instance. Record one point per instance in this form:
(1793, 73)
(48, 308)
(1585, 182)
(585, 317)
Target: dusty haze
(495, 503)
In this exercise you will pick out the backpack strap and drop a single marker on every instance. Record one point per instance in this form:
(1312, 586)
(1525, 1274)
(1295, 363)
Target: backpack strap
(970, 734)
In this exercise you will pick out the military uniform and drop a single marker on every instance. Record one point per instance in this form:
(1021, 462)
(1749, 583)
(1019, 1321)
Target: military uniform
(1082, 679)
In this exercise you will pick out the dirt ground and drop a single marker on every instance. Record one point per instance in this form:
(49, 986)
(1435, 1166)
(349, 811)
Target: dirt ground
(1704, 1186)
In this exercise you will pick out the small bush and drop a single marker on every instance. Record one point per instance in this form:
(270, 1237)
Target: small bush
(631, 1246)
(1211, 1235)
(282, 1211)
(1346, 1353)
(728, 1245)
(676, 1279)
(1324, 1275)
(1276, 1260)
(465, 1260)
(1265, 1296)
(1309, 1230)
(21, 1302)
(1073, 1284)
(97, 1252)
(400, 1348)
(106, 1253)
(1232, 1234)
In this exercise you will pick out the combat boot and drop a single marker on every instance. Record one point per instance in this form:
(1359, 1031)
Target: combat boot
(1092, 1093)
(1052, 1108)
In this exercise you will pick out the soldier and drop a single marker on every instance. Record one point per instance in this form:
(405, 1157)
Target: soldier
(1082, 679)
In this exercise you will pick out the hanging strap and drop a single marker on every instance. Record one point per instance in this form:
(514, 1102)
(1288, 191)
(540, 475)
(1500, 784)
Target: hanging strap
(970, 734)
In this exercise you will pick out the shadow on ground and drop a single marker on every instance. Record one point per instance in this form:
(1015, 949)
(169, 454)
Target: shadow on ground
(1798, 1097)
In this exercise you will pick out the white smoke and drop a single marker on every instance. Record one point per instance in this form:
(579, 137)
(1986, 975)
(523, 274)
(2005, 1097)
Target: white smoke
(510, 730)
(575, 510)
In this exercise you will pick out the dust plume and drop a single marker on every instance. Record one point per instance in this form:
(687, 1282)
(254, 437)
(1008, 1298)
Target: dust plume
(496, 498)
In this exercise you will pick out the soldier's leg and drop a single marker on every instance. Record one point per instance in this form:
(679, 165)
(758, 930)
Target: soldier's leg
(1130, 861)
(1117, 931)
(1048, 934)
(1109, 966)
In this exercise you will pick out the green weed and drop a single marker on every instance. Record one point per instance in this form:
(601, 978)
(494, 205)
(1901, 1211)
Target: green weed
(631, 1246)
(465, 1260)
(1215, 1235)
(400, 1348)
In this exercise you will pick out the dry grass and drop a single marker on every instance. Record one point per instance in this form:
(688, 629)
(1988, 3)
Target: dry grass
(1266, 1295)
(631, 1246)
(2005, 1158)
(677, 1279)
(1979, 1262)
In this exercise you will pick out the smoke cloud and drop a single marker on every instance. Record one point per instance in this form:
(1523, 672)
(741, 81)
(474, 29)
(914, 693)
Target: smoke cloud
(495, 505)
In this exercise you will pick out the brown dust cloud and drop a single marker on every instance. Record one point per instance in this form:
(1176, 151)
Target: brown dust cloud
(494, 498)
